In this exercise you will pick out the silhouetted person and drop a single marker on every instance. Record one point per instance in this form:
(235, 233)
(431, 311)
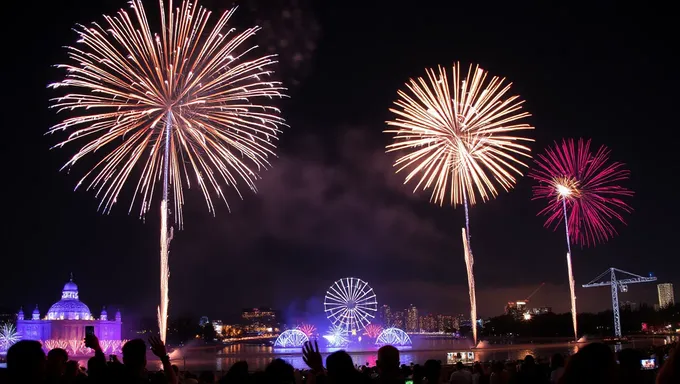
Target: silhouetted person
(340, 368)
(630, 366)
(206, 377)
(530, 373)
(388, 365)
(433, 371)
(237, 374)
(56, 365)
(461, 375)
(26, 363)
(279, 372)
(556, 368)
(670, 370)
(594, 363)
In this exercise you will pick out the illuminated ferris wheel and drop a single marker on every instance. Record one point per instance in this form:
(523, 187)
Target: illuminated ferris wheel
(350, 304)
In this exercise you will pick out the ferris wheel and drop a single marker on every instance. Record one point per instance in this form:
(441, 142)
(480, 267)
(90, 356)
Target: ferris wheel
(350, 304)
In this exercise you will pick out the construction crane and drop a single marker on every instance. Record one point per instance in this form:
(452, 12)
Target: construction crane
(616, 284)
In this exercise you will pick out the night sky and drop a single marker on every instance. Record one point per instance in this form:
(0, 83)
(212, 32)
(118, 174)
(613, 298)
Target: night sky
(331, 206)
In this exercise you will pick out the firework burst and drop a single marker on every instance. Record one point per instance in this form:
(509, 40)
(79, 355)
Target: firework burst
(581, 188)
(372, 331)
(587, 182)
(307, 329)
(8, 336)
(461, 138)
(192, 102)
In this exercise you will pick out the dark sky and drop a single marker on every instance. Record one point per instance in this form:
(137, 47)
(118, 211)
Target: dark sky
(331, 206)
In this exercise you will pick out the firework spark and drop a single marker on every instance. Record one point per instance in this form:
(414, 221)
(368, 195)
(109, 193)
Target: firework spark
(372, 330)
(582, 190)
(307, 329)
(461, 139)
(174, 106)
(8, 336)
(469, 264)
(587, 183)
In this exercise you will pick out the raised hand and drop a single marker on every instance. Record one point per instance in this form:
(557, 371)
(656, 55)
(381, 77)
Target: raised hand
(157, 346)
(312, 357)
(91, 341)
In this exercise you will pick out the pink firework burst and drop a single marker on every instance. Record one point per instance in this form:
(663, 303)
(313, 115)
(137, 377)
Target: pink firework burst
(589, 185)
(307, 329)
(372, 331)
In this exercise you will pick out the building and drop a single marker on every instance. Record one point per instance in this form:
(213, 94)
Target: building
(412, 319)
(539, 311)
(628, 306)
(66, 323)
(399, 320)
(385, 316)
(445, 323)
(259, 320)
(666, 295)
(458, 321)
(428, 323)
(516, 309)
(217, 325)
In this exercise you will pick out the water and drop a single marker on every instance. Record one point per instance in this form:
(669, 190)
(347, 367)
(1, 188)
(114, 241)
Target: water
(258, 356)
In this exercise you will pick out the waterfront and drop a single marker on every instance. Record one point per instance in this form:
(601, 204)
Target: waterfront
(258, 356)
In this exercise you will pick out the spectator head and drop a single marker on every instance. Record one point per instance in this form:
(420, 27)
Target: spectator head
(56, 361)
(26, 362)
(459, 366)
(433, 370)
(594, 363)
(134, 355)
(278, 371)
(388, 358)
(340, 365)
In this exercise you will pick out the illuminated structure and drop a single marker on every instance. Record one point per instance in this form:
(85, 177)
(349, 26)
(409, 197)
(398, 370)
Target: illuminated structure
(259, 319)
(617, 283)
(350, 304)
(337, 336)
(412, 319)
(292, 338)
(393, 336)
(666, 295)
(516, 308)
(66, 321)
(385, 315)
(428, 323)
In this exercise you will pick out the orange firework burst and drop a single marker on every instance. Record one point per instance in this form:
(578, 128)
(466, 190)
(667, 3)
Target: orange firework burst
(459, 143)
(461, 139)
(173, 106)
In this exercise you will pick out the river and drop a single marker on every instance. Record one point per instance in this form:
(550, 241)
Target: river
(258, 356)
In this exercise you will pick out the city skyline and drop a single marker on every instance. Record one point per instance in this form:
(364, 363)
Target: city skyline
(331, 205)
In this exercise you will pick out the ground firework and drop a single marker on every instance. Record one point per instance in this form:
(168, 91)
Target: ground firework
(174, 106)
(461, 138)
(581, 188)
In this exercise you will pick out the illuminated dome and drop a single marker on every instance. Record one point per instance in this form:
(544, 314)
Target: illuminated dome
(69, 307)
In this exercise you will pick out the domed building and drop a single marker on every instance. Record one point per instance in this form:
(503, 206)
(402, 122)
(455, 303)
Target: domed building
(67, 320)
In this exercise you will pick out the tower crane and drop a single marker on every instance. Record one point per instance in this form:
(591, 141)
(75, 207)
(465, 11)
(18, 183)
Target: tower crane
(616, 284)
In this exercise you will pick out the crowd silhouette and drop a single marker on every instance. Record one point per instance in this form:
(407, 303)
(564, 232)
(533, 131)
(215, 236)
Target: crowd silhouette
(595, 363)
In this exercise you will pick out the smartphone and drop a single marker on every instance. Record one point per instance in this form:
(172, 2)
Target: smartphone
(648, 363)
(89, 330)
(408, 382)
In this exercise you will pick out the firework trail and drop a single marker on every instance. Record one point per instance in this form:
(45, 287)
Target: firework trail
(469, 264)
(8, 336)
(175, 106)
(582, 189)
(463, 144)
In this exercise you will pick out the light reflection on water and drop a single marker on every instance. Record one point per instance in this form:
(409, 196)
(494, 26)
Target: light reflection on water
(259, 356)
